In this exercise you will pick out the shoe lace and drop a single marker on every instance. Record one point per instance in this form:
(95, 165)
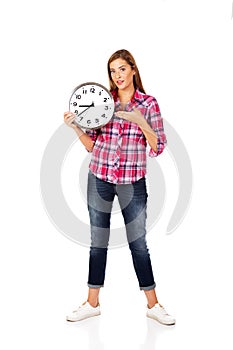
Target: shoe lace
(76, 310)
(163, 310)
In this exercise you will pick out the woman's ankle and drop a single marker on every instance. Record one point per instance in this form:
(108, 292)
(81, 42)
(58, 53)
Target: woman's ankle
(93, 303)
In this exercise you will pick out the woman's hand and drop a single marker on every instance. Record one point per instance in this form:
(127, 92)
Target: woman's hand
(135, 116)
(69, 118)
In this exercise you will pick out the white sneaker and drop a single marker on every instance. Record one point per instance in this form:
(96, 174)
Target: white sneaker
(158, 313)
(84, 311)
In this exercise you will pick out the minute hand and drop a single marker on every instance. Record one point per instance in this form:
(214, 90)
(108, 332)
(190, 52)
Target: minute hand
(88, 106)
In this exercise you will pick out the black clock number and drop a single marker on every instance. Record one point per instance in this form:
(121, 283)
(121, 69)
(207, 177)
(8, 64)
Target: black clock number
(84, 91)
(103, 116)
(97, 121)
(75, 104)
(88, 121)
(78, 97)
(92, 90)
(105, 99)
(106, 108)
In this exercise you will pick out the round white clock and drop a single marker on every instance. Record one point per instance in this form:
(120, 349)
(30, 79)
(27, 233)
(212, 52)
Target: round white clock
(93, 105)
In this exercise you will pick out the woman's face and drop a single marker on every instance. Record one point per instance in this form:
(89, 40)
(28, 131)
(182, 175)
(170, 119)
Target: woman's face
(121, 73)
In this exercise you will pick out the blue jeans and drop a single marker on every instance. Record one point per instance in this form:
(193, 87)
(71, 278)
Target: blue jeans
(132, 199)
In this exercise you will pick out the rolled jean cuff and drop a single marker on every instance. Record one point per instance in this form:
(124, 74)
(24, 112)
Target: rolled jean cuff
(149, 287)
(94, 286)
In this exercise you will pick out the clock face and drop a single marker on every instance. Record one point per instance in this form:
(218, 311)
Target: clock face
(93, 105)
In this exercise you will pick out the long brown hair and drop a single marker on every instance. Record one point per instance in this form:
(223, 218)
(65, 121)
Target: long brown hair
(127, 56)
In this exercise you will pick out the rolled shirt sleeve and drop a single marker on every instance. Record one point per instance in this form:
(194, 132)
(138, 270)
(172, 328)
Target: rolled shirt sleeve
(155, 121)
(93, 134)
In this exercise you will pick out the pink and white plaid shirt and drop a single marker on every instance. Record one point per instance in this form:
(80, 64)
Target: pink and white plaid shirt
(119, 153)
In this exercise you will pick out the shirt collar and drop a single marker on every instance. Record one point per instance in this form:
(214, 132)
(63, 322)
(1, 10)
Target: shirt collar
(139, 96)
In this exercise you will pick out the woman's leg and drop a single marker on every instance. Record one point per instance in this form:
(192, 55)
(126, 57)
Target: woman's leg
(135, 220)
(100, 199)
(133, 206)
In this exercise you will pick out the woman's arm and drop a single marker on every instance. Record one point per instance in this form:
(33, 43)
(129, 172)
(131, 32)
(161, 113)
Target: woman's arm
(84, 138)
(149, 134)
(137, 117)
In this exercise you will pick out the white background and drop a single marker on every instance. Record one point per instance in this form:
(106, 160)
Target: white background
(184, 53)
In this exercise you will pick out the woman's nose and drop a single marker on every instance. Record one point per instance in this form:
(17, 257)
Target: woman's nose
(118, 75)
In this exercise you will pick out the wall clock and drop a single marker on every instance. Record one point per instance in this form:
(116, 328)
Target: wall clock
(92, 104)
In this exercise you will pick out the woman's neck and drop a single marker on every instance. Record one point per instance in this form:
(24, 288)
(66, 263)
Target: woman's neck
(126, 95)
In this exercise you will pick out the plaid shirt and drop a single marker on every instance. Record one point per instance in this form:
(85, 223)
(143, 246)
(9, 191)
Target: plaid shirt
(119, 153)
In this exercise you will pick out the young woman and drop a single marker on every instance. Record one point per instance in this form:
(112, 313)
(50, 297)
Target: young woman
(118, 167)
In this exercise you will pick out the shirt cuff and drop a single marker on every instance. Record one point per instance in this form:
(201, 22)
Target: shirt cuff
(152, 153)
(160, 148)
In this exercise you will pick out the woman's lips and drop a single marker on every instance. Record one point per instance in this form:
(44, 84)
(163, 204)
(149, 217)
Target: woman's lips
(120, 82)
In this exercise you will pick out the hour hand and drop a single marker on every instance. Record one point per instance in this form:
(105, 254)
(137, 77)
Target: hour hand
(92, 105)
